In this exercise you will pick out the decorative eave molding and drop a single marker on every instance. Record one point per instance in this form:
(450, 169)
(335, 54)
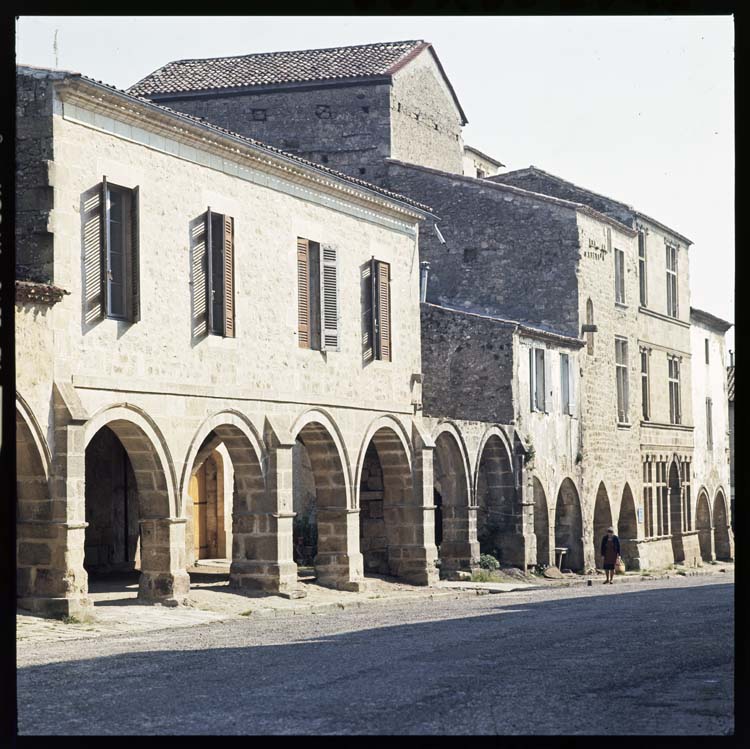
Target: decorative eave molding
(102, 100)
(33, 292)
(710, 321)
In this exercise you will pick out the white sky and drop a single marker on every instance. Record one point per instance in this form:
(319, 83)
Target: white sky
(638, 108)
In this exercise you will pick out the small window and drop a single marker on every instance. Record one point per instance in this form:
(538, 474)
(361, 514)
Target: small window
(317, 296)
(537, 379)
(120, 277)
(645, 391)
(621, 371)
(675, 410)
(672, 306)
(709, 424)
(707, 354)
(619, 276)
(642, 278)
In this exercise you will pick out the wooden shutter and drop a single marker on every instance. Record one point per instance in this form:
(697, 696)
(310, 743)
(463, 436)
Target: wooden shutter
(104, 247)
(209, 272)
(532, 379)
(135, 263)
(329, 299)
(369, 319)
(547, 381)
(303, 292)
(384, 310)
(228, 257)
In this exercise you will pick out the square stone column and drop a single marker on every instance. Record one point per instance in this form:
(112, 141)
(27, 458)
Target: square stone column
(460, 547)
(691, 548)
(339, 563)
(50, 543)
(262, 539)
(519, 546)
(163, 561)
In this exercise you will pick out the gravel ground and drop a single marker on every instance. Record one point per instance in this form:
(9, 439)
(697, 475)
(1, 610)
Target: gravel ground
(645, 657)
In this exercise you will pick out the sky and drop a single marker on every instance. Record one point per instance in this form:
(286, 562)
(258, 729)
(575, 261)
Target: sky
(640, 109)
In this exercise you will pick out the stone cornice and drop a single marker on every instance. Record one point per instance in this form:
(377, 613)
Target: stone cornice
(33, 292)
(109, 102)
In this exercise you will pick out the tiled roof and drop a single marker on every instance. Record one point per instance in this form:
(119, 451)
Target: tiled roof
(250, 141)
(730, 383)
(266, 68)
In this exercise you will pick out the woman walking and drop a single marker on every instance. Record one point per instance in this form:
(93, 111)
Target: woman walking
(610, 550)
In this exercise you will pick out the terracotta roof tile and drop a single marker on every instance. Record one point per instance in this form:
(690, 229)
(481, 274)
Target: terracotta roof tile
(266, 68)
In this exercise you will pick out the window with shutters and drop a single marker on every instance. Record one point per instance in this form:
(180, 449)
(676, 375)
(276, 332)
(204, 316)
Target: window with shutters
(621, 371)
(645, 391)
(709, 424)
(220, 302)
(317, 296)
(642, 279)
(119, 252)
(567, 385)
(619, 276)
(672, 306)
(675, 410)
(537, 379)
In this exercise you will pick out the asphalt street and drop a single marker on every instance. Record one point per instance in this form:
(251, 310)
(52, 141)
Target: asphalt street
(651, 657)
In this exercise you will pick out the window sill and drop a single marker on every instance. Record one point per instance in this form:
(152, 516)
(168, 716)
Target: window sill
(623, 425)
(659, 425)
(661, 316)
(621, 305)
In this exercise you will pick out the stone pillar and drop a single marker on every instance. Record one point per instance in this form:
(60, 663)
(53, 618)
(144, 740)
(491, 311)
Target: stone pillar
(460, 547)
(339, 563)
(691, 548)
(262, 539)
(163, 561)
(519, 546)
(50, 543)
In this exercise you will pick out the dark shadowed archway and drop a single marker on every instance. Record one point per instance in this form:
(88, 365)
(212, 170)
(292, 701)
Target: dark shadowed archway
(675, 511)
(722, 543)
(569, 525)
(541, 525)
(498, 512)
(387, 504)
(627, 530)
(602, 519)
(703, 524)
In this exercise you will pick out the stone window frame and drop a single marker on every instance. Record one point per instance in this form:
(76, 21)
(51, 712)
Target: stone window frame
(672, 260)
(642, 267)
(645, 354)
(709, 425)
(673, 379)
(619, 256)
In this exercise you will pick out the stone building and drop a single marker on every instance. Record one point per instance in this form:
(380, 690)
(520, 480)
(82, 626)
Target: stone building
(730, 399)
(348, 107)
(478, 164)
(711, 417)
(193, 309)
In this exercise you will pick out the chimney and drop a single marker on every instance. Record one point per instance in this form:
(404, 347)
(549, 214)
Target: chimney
(424, 272)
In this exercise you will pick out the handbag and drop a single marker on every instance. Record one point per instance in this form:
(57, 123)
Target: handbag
(620, 566)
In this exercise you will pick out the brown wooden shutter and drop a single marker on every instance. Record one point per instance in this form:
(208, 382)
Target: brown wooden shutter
(329, 299)
(303, 292)
(384, 310)
(228, 277)
(135, 264)
(369, 326)
(104, 247)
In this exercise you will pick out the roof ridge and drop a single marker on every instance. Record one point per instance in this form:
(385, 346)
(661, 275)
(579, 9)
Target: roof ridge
(293, 51)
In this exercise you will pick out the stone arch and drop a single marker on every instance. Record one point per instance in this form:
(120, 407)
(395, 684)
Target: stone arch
(162, 533)
(627, 530)
(455, 516)
(246, 501)
(499, 521)
(703, 525)
(328, 515)
(602, 517)
(569, 525)
(35, 552)
(390, 511)
(541, 524)
(675, 510)
(722, 539)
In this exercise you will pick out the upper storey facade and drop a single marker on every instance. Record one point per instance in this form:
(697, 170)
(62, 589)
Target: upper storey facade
(348, 107)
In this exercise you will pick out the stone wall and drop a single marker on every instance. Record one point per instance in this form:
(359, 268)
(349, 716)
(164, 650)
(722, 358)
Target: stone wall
(344, 127)
(425, 122)
(34, 179)
(507, 253)
(467, 361)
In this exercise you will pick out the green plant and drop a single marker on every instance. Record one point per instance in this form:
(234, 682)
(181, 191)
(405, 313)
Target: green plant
(71, 620)
(482, 576)
(488, 562)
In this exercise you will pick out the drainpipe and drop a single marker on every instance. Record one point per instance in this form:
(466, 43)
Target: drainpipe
(424, 272)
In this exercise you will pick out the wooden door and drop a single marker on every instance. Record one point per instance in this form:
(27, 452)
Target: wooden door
(197, 491)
